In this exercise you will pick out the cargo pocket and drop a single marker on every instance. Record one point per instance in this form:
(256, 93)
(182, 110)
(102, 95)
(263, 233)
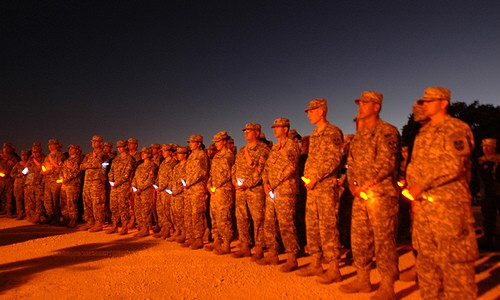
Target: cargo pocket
(462, 248)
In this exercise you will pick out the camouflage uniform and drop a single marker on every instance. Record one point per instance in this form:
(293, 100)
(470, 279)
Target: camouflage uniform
(120, 174)
(280, 173)
(322, 164)
(52, 182)
(175, 185)
(195, 194)
(222, 200)
(6, 182)
(33, 189)
(19, 181)
(443, 232)
(144, 177)
(373, 158)
(253, 198)
(94, 191)
(164, 205)
(70, 190)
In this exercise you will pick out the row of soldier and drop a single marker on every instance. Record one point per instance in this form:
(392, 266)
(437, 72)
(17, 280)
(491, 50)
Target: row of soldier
(261, 183)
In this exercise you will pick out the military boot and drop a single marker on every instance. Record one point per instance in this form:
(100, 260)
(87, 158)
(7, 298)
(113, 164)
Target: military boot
(131, 222)
(181, 238)
(160, 234)
(291, 263)
(258, 254)
(225, 248)
(360, 285)
(86, 226)
(197, 244)
(72, 223)
(270, 259)
(213, 246)
(19, 215)
(332, 274)
(386, 290)
(96, 228)
(187, 243)
(113, 229)
(124, 229)
(243, 252)
(313, 269)
(143, 232)
(174, 236)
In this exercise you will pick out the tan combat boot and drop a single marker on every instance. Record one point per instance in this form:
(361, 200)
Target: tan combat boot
(124, 229)
(360, 285)
(72, 223)
(197, 244)
(386, 290)
(211, 247)
(113, 229)
(313, 269)
(143, 232)
(243, 252)
(225, 248)
(259, 253)
(270, 259)
(291, 263)
(96, 228)
(161, 234)
(332, 274)
(86, 226)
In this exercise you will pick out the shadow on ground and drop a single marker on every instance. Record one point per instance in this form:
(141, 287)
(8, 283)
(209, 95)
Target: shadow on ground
(20, 272)
(24, 233)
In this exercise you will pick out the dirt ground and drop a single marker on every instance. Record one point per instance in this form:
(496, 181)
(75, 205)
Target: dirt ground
(48, 262)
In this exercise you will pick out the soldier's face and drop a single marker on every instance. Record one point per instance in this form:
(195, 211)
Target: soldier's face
(107, 149)
(132, 146)
(72, 151)
(489, 150)
(251, 135)
(367, 109)
(121, 149)
(280, 132)
(315, 115)
(193, 145)
(220, 144)
(52, 147)
(432, 108)
(96, 144)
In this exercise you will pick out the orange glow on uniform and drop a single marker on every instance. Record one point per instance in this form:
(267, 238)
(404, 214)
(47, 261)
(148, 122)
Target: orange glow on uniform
(44, 169)
(363, 195)
(2, 174)
(59, 181)
(212, 189)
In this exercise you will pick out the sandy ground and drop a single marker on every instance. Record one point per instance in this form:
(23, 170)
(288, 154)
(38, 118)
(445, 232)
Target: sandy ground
(47, 262)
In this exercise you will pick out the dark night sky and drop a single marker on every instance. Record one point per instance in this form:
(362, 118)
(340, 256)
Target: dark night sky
(163, 70)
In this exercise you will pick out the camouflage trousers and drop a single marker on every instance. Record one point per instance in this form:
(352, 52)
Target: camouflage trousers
(33, 201)
(195, 207)
(282, 209)
(93, 201)
(164, 209)
(19, 195)
(144, 207)
(221, 205)
(69, 199)
(119, 204)
(251, 201)
(321, 222)
(52, 199)
(443, 235)
(178, 212)
(373, 231)
(6, 193)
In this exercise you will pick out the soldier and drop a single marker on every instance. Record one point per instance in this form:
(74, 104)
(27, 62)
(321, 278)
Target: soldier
(19, 180)
(438, 179)
(70, 189)
(119, 180)
(156, 154)
(320, 178)
(7, 161)
(250, 196)
(221, 195)
(164, 205)
(176, 187)
(133, 144)
(490, 189)
(94, 165)
(107, 148)
(195, 193)
(33, 190)
(157, 158)
(280, 184)
(51, 170)
(142, 186)
(372, 174)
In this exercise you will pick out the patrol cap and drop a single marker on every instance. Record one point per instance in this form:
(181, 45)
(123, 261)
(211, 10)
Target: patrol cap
(489, 142)
(109, 144)
(195, 138)
(434, 93)
(36, 147)
(294, 134)
(222, 135)
(121, 143)
(53, 142)
(73, 146)
(212, 147)
(132, 141)
(182, 150)
(8, 145)
(281, 122)
(370, 96)
(252, 126)
(418, 112)
(316, 103)
(156, 146)
(167, 147)
(25, 152)
(146, 150)
(97, 138)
